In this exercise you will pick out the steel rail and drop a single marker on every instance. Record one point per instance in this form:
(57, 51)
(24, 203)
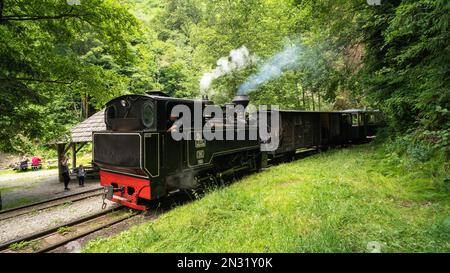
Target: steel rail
(6, 245)
(49, 203)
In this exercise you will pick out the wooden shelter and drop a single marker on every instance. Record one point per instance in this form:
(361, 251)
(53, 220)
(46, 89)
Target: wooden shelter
(79, 135)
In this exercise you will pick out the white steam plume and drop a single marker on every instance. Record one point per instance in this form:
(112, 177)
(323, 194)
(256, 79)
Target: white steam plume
(273, 68)
(238, 59)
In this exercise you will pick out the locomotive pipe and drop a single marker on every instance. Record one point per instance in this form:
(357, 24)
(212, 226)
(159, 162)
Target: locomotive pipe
(241, 100)
(232, 170)
(206, 100)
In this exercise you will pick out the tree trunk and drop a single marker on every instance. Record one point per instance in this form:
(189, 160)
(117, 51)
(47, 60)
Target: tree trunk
(314, 103)
(85, 111)
(297, 95)
(303, 97)
(1, 10)
(318, 97)
(74, 156)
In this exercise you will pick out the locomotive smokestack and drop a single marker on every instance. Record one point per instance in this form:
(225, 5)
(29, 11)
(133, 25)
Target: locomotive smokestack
(241, 100)
(206, 100)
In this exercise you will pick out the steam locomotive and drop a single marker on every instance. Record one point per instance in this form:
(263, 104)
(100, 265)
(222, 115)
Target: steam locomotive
(139, 160)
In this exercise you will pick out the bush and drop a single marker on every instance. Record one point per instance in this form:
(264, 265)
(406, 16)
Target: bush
(412, 152)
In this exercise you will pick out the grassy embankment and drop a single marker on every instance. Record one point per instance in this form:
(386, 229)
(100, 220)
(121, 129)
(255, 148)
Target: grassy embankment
(338, 201)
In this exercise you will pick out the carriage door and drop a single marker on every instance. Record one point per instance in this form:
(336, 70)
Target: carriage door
(355, 126)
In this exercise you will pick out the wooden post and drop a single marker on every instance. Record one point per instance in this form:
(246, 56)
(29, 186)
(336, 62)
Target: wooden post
(60, 155)
(74, 156)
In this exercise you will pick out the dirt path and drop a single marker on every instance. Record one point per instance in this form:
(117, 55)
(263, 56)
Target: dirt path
(14, 177)
(24, 188)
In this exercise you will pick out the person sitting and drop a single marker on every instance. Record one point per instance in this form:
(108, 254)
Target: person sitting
(35, 163)
(24, 163)
(15, 166)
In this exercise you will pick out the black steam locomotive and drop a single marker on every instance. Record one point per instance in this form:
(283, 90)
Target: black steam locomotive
(139, 160)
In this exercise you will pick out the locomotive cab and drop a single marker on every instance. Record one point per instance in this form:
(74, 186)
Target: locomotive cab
(131, 113)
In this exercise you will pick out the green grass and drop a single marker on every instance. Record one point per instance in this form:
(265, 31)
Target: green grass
(23, 245)
(338, 201)
(29, 170)
(7, 171)
(8, 189)
(20, 245)
(63, 230)
(18, 203)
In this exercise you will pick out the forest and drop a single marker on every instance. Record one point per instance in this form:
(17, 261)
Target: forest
(59, 58)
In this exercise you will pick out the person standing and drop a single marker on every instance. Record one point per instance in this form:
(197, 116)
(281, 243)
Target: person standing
(81, 175)
(65, 172)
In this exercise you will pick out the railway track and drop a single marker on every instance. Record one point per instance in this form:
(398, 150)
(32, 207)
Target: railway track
(55, 237)
(14, 212)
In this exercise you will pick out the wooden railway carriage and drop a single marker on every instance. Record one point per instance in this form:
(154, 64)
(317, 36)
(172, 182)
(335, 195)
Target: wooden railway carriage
(364, 123)
(305, 129)
(140, 161)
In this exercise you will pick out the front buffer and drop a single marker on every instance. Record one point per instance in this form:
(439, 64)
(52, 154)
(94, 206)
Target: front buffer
(125, 190)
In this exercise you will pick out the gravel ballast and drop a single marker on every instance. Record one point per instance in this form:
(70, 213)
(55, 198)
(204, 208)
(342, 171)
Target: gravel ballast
(33, 222)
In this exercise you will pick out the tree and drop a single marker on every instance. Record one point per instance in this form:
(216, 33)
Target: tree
(44, 53)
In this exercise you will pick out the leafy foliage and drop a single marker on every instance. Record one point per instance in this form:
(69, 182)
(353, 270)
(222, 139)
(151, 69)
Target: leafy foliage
(408, 71)
(53, 56)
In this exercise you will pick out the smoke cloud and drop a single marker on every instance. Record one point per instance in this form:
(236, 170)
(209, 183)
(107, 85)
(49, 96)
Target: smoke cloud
(287, 59)
(238, 59)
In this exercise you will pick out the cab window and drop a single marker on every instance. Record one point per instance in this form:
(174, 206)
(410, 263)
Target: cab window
(355, 120)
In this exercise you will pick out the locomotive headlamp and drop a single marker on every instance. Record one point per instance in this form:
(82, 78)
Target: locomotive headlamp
(124, 103)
